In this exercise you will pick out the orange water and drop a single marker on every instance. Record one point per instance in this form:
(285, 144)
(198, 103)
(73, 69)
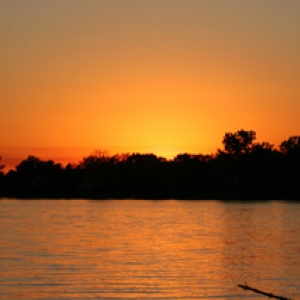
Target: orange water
(129, 249)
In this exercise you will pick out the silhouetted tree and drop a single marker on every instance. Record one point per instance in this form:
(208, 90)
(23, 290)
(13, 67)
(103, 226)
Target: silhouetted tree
(290, 149)
(239, 142)
(35, 178)
(262, 147)
(95, 160)
(291, 146)
(264, 155)
(192, 175)
(146, 174)
(28, 166)
(242, 170)
(248, 169)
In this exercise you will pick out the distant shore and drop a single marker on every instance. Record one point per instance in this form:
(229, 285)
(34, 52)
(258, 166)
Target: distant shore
(243, 170)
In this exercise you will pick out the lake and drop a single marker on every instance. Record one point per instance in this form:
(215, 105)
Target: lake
(138, 249)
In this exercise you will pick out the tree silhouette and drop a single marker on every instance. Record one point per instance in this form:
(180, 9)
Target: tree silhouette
(239, 142)
(262, 147)
(28, 166)
(242, 170)
(95, 160)
(290, 149)
(291, 146)
(34, 178)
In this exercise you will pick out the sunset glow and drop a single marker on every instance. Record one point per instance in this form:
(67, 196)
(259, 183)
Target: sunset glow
(162, 77)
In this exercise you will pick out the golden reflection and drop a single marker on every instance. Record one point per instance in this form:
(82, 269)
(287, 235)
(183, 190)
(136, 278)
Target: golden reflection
(145, 249)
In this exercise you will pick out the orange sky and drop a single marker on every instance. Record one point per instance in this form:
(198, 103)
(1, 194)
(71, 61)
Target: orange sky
(162, 76)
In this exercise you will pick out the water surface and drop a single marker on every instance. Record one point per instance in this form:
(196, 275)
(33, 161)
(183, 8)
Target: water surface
(131, 249)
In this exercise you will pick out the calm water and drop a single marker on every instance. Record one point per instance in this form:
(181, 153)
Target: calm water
(148, 249)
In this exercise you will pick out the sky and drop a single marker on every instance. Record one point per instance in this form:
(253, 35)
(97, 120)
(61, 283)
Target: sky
(149, 76)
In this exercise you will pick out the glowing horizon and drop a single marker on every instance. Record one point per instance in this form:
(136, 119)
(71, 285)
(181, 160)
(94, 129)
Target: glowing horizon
(163, 77)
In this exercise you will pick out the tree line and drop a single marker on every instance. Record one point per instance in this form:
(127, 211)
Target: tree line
(243, 169)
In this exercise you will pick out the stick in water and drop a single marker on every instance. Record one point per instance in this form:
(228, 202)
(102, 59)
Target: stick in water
(246, 287)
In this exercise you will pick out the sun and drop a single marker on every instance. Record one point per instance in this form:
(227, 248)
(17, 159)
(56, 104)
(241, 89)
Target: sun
(165, 151)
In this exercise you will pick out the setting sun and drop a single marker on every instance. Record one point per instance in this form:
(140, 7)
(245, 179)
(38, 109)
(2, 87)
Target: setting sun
(145, 76)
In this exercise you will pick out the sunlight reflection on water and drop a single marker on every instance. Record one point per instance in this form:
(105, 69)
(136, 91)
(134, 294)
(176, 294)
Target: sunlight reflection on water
(129, 249)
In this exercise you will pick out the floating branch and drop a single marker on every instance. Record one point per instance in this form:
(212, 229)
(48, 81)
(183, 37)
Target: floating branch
(246, 287)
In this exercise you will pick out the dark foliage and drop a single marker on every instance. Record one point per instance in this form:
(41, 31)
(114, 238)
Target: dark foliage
(242, 170)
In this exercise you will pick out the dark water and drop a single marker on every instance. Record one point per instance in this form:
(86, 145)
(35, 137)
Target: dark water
(148, 249)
